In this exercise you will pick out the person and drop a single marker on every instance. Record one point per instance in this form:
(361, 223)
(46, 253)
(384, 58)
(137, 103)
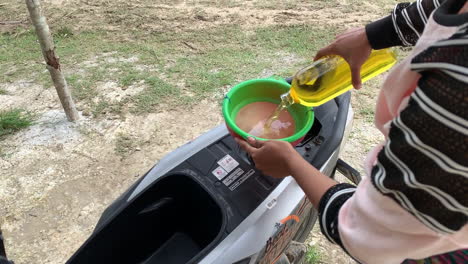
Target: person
(413, 204)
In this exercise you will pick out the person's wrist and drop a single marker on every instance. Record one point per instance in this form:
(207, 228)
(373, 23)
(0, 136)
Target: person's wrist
(293, 161)
(364, 40)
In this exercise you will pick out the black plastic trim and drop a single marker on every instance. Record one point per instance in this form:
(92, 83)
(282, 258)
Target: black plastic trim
(332, 142)
(349, 172)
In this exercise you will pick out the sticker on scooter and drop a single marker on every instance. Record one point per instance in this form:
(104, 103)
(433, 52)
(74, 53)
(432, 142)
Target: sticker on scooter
(220, 173)
(234, 176)
(284, 232)
(277, 243)
(228, 163)
(241, 180)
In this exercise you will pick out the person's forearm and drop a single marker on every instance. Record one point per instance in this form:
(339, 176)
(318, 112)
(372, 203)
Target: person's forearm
(312, 181)
(326, 195)
(403, 27)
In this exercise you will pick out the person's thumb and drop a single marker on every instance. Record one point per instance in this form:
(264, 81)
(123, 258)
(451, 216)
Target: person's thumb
(255, 143)
(246, 146)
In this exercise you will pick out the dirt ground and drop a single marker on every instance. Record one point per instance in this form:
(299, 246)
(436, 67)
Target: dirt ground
(56, 177)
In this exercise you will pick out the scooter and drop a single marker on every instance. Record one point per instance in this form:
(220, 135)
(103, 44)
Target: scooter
(181, 211)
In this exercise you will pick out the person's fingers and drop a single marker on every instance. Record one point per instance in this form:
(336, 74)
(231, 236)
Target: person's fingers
(328, 50)
(356, 76)
(246, 146)
(255, 143)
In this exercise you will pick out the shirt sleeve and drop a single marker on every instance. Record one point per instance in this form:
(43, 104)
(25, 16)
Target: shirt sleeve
(414, 204)
(329, 206)
(403, 27)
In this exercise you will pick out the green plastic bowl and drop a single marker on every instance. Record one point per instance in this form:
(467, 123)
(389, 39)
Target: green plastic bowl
(264, 90)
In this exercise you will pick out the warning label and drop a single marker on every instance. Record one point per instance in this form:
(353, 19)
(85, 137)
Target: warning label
(220, 173)
(236, 174)
(228, 163)
(241, 180)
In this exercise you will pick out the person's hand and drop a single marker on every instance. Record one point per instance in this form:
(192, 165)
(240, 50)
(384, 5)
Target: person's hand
(272, 158)
(354, 47)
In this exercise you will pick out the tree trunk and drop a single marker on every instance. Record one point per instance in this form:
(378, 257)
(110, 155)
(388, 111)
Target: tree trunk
(52, 60)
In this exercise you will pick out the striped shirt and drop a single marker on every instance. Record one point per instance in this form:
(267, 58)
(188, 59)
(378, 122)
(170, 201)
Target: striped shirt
(422, 168)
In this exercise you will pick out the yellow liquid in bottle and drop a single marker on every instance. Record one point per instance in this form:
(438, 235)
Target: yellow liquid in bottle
(286, 101)
(330, 77)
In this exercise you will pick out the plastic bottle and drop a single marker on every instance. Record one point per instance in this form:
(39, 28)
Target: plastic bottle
(331, 76)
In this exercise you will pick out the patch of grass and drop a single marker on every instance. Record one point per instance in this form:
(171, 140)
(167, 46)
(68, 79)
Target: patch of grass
(81, 87)
(276, 4)
(215, 58)
(103, 106)
(244, 56)
(24, 50)
(367, 112)
(303, 40)
(19, 49)
(125, 145)
(157, 91)
(3, 91)
(312, 256)
(130, 78)
(63, 32)
(14, 120)
(129, 75)
(100, 107)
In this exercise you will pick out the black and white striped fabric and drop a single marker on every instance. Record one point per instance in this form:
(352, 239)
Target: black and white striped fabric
(409, 19)
(404, 26)
(424, 165)
(330, 204)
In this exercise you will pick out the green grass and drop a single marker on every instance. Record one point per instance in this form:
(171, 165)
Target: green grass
(63, 32)
(3, 91)
(244, 56)
(367, 112)
(14, 120)
(100, 107)
(312, 256)
(82, 87)
(125, 145)
(130, 77)
(223, 57)
(157, 91)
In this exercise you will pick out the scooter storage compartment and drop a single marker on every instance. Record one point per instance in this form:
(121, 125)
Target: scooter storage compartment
(171, 222)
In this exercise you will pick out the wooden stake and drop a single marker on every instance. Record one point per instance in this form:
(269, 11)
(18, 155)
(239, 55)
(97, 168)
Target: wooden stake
(52, 60)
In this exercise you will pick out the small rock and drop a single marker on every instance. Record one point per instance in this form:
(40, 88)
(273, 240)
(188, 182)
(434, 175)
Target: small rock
(202, 18)
(113, 117)
(58, 147)
(86, 113)
(137, 149)
(313, 242)
(296, 252)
